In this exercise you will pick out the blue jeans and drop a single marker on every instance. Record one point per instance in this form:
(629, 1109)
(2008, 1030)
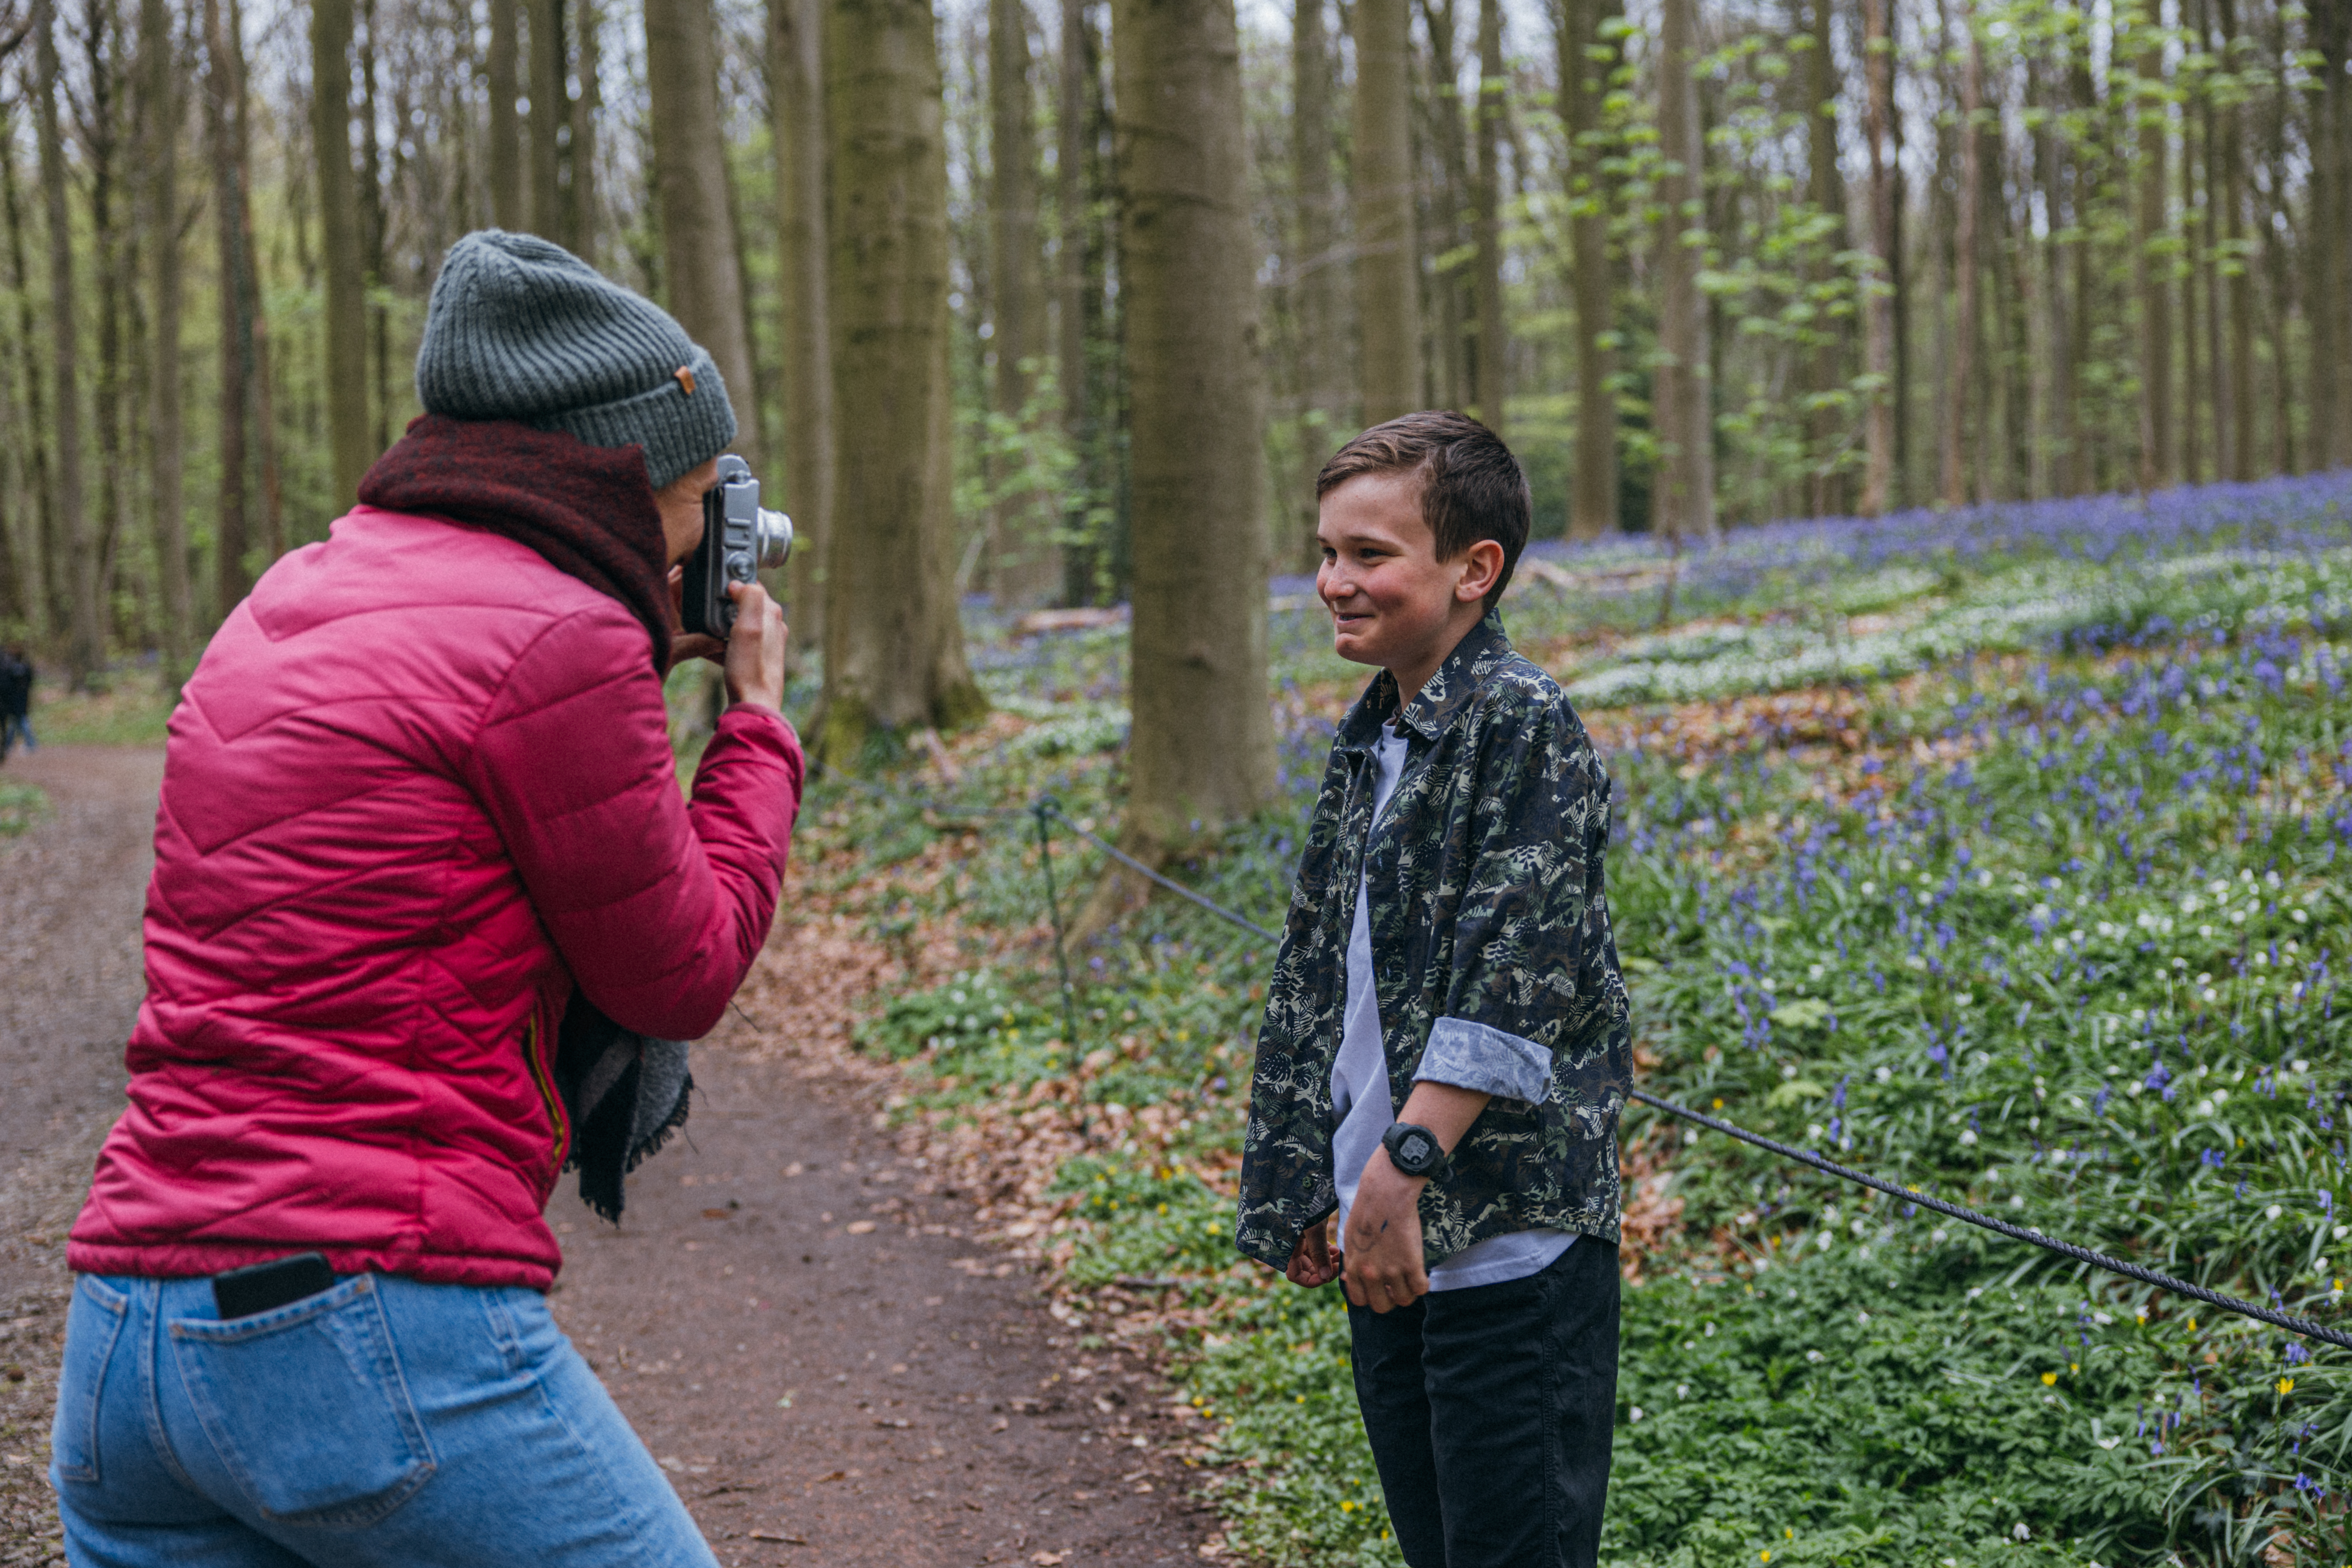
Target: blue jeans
(382, 1421)
(17, 726)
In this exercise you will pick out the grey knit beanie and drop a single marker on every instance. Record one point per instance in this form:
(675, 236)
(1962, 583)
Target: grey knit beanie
(521, 329)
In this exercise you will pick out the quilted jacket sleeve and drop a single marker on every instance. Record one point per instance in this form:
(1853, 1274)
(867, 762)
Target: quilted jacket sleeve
(658, 908)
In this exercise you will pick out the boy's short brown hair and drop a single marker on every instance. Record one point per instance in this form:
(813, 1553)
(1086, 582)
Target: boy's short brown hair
(1471, 486)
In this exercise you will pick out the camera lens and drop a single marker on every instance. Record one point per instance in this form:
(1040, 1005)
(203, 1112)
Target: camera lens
(772, 539)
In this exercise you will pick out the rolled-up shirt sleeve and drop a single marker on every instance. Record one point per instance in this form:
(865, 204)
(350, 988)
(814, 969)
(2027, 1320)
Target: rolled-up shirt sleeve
(1476, 1057)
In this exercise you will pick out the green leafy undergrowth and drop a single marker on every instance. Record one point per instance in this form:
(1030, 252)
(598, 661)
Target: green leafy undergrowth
(20, 807)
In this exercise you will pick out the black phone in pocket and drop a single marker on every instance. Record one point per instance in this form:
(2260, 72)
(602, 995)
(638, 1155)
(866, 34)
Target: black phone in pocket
(263, 1286)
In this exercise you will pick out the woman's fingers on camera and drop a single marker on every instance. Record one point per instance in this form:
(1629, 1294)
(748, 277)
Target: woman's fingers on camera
(755, 654)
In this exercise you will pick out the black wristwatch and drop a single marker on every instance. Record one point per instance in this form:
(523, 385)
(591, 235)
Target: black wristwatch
(1415, 1150)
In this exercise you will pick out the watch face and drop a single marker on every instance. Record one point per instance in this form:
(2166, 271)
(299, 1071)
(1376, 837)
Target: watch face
(1416, 1150)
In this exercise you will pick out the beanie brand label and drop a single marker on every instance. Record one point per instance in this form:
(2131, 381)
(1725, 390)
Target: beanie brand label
(685, 374)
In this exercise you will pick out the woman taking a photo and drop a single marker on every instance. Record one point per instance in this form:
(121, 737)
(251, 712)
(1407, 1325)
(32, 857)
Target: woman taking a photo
(418, 791)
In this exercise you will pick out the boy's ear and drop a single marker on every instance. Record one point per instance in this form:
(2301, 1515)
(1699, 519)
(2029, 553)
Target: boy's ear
(1483, 564)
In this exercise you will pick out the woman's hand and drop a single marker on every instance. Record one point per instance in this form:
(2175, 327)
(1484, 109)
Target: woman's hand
(689, 645)
(753, 657)
(755, 653)
(1312, 1262)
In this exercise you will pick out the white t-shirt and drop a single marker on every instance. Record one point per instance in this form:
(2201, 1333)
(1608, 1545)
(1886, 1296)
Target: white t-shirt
(1360, 1086)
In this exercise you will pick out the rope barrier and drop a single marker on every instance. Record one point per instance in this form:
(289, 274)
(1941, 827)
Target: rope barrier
(1046, 806)
(2001, 1227)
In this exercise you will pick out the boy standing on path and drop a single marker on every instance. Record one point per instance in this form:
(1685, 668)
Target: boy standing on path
(1448, 950)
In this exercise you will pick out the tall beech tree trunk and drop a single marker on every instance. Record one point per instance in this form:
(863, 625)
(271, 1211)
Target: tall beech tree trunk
(1071, 122)
(161, 217)
(1489, 363)
(505, 70)
(2329, 290)
(257, 323)
(1441, 222)
(1590, 52)
(796, 106)
(2050, 404)
(1321, 403)
(340, 241)
(1092, 412)
(587, 221)
(1198, 660)
(44, 589)
(2191, 306)
(1826, 189)
(101, 125)
(1682, 503)
(84, 647)
(2239, 274)
(232, 525)
(550, 108)
(2151, 258)
(1878, 304)
(1027, 567)
(894, 646)
(701, 263)
(1963, 420)
(1388, 286)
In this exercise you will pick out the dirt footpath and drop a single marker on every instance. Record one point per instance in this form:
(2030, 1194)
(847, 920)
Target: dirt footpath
(794, 1320)
(70, 895)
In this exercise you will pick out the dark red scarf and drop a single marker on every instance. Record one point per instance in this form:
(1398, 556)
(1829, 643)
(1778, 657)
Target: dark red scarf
(588, 510)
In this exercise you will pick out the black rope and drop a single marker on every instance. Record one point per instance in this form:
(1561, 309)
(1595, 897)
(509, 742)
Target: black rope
(2014, 1232)
(1046, 805)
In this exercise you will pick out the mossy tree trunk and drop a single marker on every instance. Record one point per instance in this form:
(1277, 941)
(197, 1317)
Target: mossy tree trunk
(894, 645)
(1683, 500)
(1202, 750)
(796, 117)
(339, 226)
(1322, 352)
(1026, 568)
(1489, 380)
(504, 68)
(701, 263)
(1388, 286)
(164, 111)
(1590, 51)
(84, 648)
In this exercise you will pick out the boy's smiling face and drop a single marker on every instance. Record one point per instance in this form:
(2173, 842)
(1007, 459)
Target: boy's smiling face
(1392, 601)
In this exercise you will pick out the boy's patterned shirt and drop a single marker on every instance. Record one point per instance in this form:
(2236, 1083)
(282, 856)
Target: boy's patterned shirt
(1490, 930)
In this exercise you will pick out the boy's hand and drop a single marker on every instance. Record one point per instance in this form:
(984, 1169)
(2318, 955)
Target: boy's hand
(1382, 1256)
(1383, 1259)
(1313, 1264)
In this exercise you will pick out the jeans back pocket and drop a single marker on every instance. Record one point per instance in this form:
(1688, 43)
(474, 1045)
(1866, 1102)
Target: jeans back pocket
(93, 1322)
(307, 1406)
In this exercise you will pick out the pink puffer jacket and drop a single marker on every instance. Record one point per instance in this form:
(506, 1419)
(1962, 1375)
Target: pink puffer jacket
(420, 782)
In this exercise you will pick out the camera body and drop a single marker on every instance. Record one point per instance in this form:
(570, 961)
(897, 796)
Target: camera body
(740, 538)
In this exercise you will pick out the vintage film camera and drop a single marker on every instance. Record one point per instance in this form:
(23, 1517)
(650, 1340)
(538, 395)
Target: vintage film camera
(739, 539)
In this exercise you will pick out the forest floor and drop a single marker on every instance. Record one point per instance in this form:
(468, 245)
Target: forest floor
(798, 1315)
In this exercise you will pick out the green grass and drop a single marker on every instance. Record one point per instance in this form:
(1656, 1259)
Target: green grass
(125, 707)
(20, 807)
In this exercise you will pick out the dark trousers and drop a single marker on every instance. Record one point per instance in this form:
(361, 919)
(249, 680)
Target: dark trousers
(1490, 1411)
